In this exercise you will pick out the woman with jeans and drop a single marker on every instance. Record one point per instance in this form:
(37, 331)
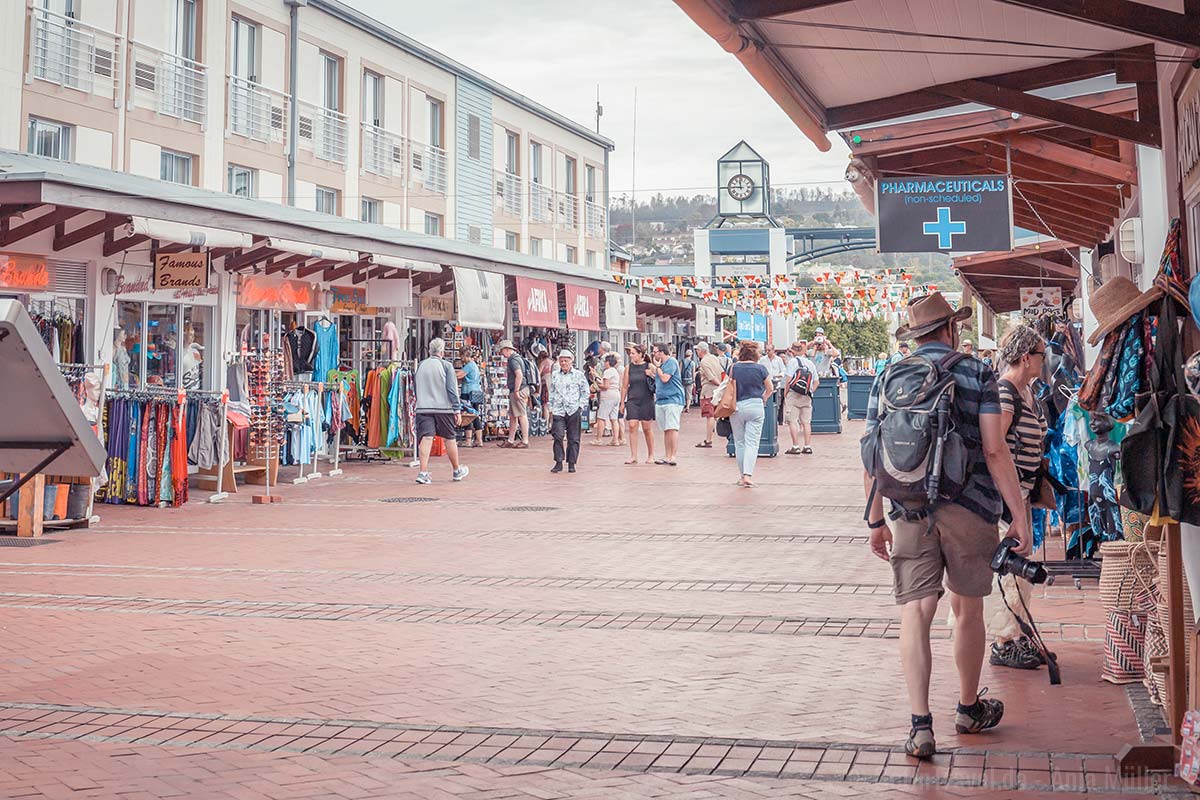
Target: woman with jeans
(752, 382)
(472, 392)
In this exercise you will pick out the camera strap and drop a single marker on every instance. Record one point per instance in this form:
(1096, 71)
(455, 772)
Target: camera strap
(1031, 632)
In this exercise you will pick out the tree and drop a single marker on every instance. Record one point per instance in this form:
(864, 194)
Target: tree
(863, 339)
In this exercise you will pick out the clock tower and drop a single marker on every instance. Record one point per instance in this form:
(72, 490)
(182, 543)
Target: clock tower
(743, 183)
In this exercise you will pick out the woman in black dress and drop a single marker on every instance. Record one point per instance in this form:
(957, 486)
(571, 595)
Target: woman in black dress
(637, 402)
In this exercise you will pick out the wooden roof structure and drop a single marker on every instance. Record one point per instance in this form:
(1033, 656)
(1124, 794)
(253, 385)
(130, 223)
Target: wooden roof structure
(997, 278)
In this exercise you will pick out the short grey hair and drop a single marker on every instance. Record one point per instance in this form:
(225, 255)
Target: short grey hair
(437, 348)
(701, 347)
(605, 346)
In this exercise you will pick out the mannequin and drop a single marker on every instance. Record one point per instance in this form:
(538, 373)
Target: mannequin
(190, 358)
(120, 359)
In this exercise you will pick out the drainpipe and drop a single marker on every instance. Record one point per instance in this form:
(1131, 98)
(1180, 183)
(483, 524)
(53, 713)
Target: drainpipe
(607, 232)
(293, 94)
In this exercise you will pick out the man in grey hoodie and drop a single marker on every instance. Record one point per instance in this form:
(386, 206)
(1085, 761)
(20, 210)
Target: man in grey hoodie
(438, 411)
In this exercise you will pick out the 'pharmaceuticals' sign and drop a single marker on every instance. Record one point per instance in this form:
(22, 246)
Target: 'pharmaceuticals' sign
(925, 214)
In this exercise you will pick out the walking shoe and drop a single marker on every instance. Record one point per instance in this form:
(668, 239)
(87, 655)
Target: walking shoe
(557, 467)
(984, 714)
(1014, 655)
(807, 451)
(1027, 645)
(920, 742)
(424, 477)
(461, 472)
(570, 467)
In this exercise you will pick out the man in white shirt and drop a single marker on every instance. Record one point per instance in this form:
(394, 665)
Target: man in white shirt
(774, 364)
(797, 400)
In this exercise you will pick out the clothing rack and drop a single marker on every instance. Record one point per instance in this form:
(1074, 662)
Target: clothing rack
(321, 387)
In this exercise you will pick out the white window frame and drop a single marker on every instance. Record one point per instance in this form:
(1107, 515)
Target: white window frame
(244, 36)
(370, 210)
(512, 152)
(251, 175)
(372, 98)
(324, 195)
(535, 246)
(512, 241)
(434, 224)
(572, 254)
(437, 121)
(535, 161)
(175, 159)
(61, 130)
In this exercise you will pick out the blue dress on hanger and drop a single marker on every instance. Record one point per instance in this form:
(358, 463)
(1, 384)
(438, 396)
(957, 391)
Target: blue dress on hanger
(327, 349)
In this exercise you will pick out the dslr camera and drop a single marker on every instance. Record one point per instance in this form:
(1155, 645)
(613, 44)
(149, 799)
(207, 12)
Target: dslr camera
(1006, 562)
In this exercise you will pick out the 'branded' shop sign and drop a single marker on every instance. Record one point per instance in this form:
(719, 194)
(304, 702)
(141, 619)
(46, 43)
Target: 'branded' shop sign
(537, 303)
(928, 214)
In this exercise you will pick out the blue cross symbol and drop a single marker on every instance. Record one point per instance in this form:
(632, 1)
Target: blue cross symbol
(944, 228)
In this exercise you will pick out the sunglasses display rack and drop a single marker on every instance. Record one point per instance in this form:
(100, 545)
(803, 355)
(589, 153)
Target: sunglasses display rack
(264, 379)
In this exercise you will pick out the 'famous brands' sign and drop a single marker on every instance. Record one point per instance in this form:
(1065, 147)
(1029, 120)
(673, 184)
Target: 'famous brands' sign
(928, 214)
(181, 271)
(537, 303)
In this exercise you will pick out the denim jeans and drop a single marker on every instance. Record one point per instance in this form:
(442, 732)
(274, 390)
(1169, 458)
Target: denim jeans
(747, 424)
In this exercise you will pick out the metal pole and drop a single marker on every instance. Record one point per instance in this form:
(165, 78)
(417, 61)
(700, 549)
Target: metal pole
(293, 94)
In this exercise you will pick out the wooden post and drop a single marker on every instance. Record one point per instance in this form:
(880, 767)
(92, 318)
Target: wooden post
(30, 507)
(1176, 626)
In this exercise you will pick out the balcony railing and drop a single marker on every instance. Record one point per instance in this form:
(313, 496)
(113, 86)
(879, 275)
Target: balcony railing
(510, 193)
(593, 219)
(257, 112)
(428, 167)
(323, 132)
(169, 84)
(541, 203)
(73, 54)
(382, 151)
(567, 211)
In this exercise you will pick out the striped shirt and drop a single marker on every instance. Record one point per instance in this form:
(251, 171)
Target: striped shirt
(975, 394)
(1026, 434)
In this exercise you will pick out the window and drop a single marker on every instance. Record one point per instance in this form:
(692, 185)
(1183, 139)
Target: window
(372, 99)
(512, 153)
(183, 23)
(512, 242)
(591, 258)
(243, 51)
(242, 181)
(327, 200)
(49, 139)
(589, 183)
(535, 246)
(433, 224)
(473, 137)
(371, 210)
(572, 255)
(569, 185)
(436, 121)
(175, 167)
(535, 162)
(331, 82)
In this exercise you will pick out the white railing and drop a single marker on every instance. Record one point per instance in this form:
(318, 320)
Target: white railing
(593, 219)
(168, 83)
(322, 131)
(510, 193)
(382, 151)
(541, 203)
(428, 167)
(73, 54)
(257, 112)
(567, 211)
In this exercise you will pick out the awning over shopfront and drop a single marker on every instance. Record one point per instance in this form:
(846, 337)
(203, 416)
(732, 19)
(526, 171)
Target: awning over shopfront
(839, 64)
(402, 263)
(537, 303)
(190, 235)
(998, 278)
(583, 308)
(620, 311)
(480, 297)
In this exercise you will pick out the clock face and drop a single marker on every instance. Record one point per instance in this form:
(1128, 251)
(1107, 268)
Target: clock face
(740, 187)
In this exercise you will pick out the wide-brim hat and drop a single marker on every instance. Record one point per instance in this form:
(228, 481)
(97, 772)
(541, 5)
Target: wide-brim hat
(927, 313)
(1115, 302)
(505, 343)
(566, 354)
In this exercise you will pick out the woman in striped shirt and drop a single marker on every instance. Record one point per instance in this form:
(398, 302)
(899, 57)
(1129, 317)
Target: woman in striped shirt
(1021, 354)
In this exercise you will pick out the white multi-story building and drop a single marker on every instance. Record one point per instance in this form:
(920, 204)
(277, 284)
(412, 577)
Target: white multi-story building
(217, 94)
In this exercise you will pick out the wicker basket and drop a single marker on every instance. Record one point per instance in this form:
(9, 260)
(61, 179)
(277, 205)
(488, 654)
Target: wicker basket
(1114, 571)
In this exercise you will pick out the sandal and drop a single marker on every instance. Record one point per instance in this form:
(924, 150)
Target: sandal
(632, 462)
(793, 451)
(704, 444)
(807, 451)
(506, 444)
(660, 461)
(920, 742)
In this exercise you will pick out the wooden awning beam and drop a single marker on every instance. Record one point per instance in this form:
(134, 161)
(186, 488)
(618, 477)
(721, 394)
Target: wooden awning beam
(283, 264)
(1157, 24)
(314, 267)
(249, 259)
(1115, 171)
(1049, 267)
(48, 220)
(1073, 116)
(334, 273)
(105, 224)
(1049, 246)
(765, 9)
(113, 246)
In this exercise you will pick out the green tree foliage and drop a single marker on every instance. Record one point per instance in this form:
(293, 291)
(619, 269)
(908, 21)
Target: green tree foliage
(864, 339)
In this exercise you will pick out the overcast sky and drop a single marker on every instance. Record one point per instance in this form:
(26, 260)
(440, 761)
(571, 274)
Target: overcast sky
(694, 100)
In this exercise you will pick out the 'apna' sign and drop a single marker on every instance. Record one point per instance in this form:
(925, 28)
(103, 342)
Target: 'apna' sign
(935, 213)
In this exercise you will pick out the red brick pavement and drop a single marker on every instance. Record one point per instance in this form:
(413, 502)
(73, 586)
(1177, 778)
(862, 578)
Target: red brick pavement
(649, 601)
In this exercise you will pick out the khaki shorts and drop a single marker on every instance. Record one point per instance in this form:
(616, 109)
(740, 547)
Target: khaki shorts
(953, 541)
(797, 408)
(518, 403)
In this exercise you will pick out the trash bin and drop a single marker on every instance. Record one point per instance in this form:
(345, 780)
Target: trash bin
(768, 443)
(827, 408)
(858, 392)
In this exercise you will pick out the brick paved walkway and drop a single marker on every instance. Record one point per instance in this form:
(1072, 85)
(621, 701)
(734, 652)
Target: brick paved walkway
(640, 631)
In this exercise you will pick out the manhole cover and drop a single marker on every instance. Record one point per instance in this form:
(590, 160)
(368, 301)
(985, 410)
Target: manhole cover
(529, 508)
(22, 541)
(408, 500)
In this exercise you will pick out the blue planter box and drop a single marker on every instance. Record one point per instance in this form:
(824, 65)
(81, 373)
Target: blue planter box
(858, 392)
(827, 408)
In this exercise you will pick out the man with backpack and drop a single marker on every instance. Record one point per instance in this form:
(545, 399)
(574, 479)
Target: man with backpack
(800, 381)
(520, 389)
(935, 448)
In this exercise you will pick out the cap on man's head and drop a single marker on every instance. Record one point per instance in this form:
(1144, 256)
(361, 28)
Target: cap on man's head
(819, 330)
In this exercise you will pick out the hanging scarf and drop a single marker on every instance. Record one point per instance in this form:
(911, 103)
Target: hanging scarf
(1093, 382)
(1128, 372)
